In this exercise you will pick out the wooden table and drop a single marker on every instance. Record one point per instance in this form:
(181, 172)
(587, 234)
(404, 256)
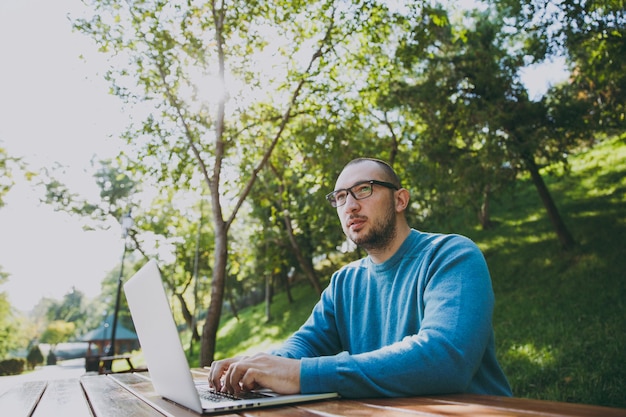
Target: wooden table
(102, 396)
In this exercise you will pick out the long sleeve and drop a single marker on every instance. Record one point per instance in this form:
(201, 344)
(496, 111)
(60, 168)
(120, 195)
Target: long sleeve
(420, 323)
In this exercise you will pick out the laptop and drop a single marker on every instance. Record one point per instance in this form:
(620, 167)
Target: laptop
(165, 357)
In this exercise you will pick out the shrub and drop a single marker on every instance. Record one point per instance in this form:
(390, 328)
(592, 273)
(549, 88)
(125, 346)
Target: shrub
(12, 366)
(34, 357)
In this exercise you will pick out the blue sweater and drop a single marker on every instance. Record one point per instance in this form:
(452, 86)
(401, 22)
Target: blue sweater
(419, 323)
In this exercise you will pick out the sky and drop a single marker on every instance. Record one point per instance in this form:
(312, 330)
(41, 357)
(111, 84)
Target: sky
(55, 109)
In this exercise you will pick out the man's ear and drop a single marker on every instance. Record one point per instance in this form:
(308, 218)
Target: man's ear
(402, 199)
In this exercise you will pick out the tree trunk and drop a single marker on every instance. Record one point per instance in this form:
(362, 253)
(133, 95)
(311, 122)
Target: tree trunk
(565, 237)
(218, 283)
(214, 312)
(287, 284)
(268, 298)
(307, 266)
(233, 305)
(188, 317)
(484, 215)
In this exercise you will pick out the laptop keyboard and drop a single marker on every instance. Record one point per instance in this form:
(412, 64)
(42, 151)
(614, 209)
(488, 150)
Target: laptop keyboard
(211, 395)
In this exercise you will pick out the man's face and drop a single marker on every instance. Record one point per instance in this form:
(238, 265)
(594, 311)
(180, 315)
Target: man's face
(370, 222)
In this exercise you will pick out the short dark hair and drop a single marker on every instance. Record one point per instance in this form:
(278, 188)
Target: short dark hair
(388, 172)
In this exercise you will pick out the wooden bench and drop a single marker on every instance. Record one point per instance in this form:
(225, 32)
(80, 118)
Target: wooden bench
(106, 362)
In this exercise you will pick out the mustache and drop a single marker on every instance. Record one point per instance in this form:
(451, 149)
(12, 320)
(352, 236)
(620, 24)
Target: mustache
(356, 216)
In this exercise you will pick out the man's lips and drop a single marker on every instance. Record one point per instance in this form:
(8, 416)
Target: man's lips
(356, 222)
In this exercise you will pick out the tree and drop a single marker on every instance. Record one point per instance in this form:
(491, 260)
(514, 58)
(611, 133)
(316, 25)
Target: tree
(34, 356)
(590, 35)
(5, 175)
(479, 126)
(102, 307)
(273, 203)
(117, 189)
(8, 324)
(169, 46)
(9, 166)
(163, 224)
(190, 238)
(57, 331)
(72, 309)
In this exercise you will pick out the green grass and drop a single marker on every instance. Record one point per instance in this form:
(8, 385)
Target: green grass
(252, 333)
(560, 317)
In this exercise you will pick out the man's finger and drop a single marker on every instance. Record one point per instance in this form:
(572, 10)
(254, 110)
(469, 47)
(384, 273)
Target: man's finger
(250, 379)
(216, 372)
(233, 377)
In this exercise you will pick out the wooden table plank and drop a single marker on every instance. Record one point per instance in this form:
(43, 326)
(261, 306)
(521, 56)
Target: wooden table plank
(140, 385)
(63, 397)
(109, 399)
(470, 405)
(543, 407)
(287, 411)
(405, 408)
(426, 406)
(354, 408)
(21, 399)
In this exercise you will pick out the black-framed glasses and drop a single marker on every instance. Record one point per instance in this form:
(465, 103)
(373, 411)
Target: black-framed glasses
(359, 191)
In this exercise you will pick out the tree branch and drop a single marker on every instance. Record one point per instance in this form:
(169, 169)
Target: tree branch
(283, 124)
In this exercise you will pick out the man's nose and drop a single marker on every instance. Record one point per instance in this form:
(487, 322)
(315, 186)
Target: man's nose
(351, 204)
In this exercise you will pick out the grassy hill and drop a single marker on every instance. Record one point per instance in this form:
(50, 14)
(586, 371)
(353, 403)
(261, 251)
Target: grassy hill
(560, 318)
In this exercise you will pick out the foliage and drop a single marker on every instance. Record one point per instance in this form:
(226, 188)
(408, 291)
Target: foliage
(190, 236)
(116, 191)
(9, 166)
(71, 309)
(463, 80)
(479, 127)
(6, 181)
(590, 34)
(8, 323)
(34, 356)
(101, 309)
(58, 331)
(187, 135)
(13, 366)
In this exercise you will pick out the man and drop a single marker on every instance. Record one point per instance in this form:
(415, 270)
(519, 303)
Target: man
(412, 318)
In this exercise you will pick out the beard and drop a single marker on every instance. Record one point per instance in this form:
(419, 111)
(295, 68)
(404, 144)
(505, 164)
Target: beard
(380, 236)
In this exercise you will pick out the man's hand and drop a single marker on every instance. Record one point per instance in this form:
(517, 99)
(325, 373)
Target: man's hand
(244, 373)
